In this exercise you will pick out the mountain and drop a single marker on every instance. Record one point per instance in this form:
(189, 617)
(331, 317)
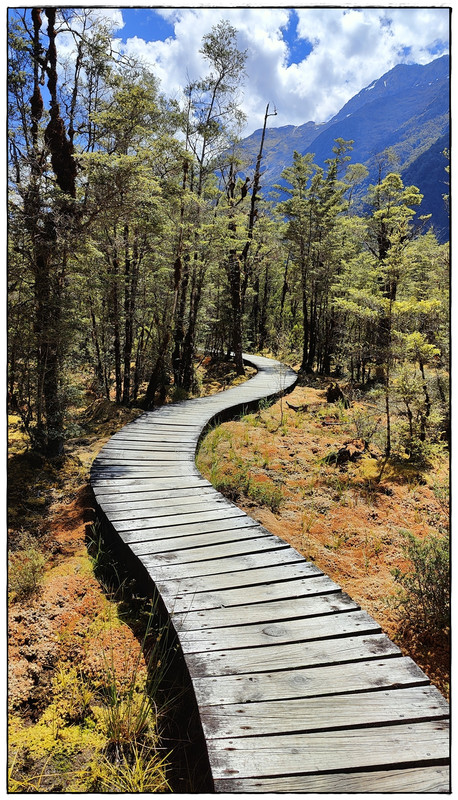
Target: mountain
(407, 109)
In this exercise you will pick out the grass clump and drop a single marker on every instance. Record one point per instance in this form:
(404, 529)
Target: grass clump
(144, 773)
(232, 484)
(26, 568)
(265, 492)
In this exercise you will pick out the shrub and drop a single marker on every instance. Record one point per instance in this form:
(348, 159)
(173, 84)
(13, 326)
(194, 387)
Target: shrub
(424, 593)
(366, 425)
(26, 568)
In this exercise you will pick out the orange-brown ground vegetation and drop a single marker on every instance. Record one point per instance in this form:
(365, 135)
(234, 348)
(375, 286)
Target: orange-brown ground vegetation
(81, 656)
(302, 469)
(74, 656)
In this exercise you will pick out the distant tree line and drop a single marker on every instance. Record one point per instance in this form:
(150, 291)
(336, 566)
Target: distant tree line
(138, 239)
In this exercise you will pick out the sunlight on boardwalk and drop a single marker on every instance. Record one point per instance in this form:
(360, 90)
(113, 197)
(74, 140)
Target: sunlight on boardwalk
(298, 688)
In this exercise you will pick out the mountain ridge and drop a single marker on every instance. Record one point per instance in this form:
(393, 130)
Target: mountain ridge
(406, 110)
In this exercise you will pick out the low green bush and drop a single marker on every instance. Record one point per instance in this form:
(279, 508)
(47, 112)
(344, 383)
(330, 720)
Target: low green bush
(424, 594)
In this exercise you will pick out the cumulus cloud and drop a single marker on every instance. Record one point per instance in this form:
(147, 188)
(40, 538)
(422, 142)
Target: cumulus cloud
(350, 48)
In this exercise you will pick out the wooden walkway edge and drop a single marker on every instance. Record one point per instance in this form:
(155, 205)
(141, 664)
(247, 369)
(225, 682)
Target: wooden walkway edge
(298, 689)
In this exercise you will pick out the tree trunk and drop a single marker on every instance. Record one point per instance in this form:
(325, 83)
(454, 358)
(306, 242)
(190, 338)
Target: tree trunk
(95, 338)
(424, 416)
(264, 305)
(179, 327)
(284, 291)
(131, 266)
(236, 334)
(305, 318)
(187, 370)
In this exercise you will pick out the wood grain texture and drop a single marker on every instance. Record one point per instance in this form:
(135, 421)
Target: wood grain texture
(320, 653)
(299, 682)
(419, 780)
(315, 605)
(329, 712)
(295, 587)
(412, 744)
(298, 689)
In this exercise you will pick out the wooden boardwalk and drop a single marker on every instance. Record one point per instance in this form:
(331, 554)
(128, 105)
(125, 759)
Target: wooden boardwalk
(298, 689)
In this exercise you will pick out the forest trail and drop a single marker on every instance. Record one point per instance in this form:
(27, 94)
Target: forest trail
(298, 689)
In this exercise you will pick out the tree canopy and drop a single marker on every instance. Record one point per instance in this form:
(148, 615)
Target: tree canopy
(138, 238)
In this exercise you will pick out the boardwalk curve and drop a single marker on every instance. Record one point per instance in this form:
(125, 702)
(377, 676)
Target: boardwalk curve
(298, 689)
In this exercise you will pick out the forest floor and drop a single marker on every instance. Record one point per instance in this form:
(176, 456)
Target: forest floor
(80, 655)
(279, 465)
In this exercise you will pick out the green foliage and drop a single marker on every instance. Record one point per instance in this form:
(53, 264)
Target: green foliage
(169, 252)
(26, 567)
(366, 425)
(424, 596)
(266, 493)
(232, 484)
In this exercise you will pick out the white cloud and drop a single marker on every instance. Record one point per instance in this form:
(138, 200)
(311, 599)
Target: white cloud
(351, 48)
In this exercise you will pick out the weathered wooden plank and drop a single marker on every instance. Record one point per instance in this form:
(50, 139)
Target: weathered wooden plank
(159, 420)
(178, 518)
(125, 485)
(419, 780)
(138, 492)
(129, 442)
(323, 713)
(149, 433)
(141, 457)
(289, 568)
(231, 523)
(187, 553)
(149, 443)
(266, 633)
(321, 653)
(411, 744)
(308, 606)
(166, 415)
(123, 471)
(311, 682)
(169, 508)
(167, 504)
(198, 541)
(315, 583)
(149, 468)
(157, 499)
(229, 566)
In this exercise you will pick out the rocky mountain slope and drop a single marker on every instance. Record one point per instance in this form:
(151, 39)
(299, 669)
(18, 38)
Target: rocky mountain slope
(407, 109)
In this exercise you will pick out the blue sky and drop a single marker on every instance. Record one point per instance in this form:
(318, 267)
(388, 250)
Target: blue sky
(145, 22)
(306, 61)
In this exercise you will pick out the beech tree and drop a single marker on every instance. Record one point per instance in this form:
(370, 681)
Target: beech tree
(43, 204)
(212, 115)
(313, 209)
(369, 282)
(128, 189)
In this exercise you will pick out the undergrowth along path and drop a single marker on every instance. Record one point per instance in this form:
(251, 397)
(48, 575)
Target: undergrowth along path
(298, 689)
